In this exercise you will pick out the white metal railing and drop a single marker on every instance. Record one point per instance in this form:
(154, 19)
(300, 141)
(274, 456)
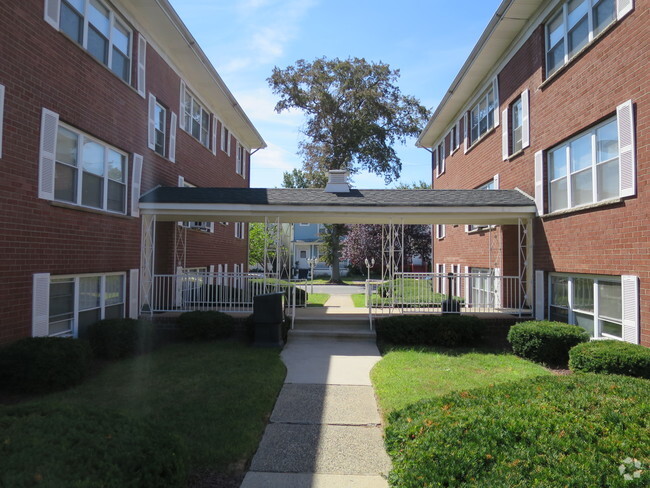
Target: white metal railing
(226, 292)
(475, 293)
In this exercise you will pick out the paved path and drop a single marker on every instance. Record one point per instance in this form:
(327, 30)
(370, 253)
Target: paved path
(325, 430)
(336, 289)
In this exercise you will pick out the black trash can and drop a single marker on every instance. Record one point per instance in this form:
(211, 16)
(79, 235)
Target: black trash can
(268, 315)
(303, 274)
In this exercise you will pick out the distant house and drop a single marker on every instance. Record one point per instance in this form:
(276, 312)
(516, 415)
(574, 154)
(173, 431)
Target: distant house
(305, 244)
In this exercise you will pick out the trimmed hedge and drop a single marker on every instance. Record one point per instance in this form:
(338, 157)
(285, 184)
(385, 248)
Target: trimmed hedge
(119, 338)
(545, 342)
(612, 357)
(205, 326)
(60, 446)
(42, 364)
(542, 432)
(430, 330)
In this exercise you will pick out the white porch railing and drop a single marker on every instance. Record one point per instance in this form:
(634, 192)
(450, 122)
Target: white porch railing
(474, 293)
(225, 292)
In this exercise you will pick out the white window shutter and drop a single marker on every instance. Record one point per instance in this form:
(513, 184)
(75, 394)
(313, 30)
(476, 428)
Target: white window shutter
(465, 120)
(539, 182)
(525, 119)
(41, 305)
(626, 150)
(142, 65)
(214, 134)
(457, 141)
(444, 279)
(623, 7)
(134, 293)
(630, 308)
(181, 181)
(172, 138)
(467, 228)
(2, 108)
(497, 106)
(136, 184)
(434, 161)
(245, 163)
(181, 108)
(212, 227)
(505, 145)
(496, 181)
(151, 133)
(47, 157)
(443, 159)
(52, 12)
(468, 280)
(539, 295)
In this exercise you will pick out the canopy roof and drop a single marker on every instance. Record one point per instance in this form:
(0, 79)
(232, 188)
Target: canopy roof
(293, 205)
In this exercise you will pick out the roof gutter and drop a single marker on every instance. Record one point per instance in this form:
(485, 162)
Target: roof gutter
(480, 44)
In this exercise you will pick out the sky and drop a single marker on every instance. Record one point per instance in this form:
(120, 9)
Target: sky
(426, 40)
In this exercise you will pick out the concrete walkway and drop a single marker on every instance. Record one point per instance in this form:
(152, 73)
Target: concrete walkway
(325, 430)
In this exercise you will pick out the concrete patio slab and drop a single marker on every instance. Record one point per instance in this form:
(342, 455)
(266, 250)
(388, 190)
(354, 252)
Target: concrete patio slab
(311, 480)
(325, 449)
(326, 404)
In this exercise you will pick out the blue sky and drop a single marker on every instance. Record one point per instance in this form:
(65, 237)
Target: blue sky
(427, 40)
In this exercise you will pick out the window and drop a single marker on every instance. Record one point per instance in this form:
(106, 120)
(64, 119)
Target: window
(303, 254)
(440, 151)
(240, 231)
(99, 30)
(482, 114)
(517, 115)
(454, 139)
(585, 169)
(89, 172)
(483, 293)
(515, 129)
(576, 24)
(240, 166)
(225, 139)
(160, 124)
(79, 301)
(202, 226)
(593, 303)
(195, 117)
(490, 185)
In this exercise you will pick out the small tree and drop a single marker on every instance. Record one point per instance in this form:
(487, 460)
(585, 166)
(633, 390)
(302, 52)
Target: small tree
(258, 236)
(355, 115)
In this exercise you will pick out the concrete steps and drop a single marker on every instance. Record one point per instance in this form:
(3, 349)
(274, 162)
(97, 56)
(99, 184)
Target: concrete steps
(333, 326)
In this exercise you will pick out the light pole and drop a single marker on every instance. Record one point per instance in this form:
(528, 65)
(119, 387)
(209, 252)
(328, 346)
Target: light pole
(312, 264)
(369, 264)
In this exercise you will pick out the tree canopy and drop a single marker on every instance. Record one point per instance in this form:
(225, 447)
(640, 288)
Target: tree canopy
(355, 114)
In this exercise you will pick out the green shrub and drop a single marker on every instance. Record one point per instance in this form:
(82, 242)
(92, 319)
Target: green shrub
(55, 446)
(545, 342)
(205, 326)
(40, 364)
(118, 338)
(613, 357)
(430, 330)
(543, 432)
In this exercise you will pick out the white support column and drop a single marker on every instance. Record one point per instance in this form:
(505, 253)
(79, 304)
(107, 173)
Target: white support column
(147, 262)
(180, 246)
(526, 279)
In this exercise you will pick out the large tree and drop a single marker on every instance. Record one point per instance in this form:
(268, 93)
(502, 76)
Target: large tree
(355, 115)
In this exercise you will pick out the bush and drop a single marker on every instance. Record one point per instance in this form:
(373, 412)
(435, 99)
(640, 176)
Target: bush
(545, 342)
(56, 446)
(119, 338)
(613, 357)
(205, 326)
(41, 364)
(543, 432)
(430, 330)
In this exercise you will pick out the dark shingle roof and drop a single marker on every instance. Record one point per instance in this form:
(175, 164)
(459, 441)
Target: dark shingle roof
(360, 198)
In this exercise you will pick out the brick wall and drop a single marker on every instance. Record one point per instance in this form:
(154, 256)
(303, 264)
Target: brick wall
(41, 67)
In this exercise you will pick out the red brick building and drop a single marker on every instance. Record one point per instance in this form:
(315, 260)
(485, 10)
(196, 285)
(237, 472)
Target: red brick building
(100, 102)
(555, 100)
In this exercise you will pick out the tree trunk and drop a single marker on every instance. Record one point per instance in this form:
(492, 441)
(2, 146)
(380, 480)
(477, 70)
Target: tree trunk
(336, 251)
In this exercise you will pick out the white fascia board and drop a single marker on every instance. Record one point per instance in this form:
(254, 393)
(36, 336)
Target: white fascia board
(170, 38)
(342, 214)
(502, 38)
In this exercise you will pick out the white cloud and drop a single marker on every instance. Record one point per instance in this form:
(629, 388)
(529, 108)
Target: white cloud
(259, 105)
(273, 157)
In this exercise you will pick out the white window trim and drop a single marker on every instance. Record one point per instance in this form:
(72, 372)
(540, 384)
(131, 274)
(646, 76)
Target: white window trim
(629, 304)
(186, 92)
(53, 16)
(490, 185)
(225, 139)
(41, 316)
(629, 172)
(484, 96)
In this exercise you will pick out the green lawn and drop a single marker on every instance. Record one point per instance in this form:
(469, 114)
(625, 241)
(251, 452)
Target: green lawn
(359, 299)
(317, 299)
(215, 396)
(405, 376)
